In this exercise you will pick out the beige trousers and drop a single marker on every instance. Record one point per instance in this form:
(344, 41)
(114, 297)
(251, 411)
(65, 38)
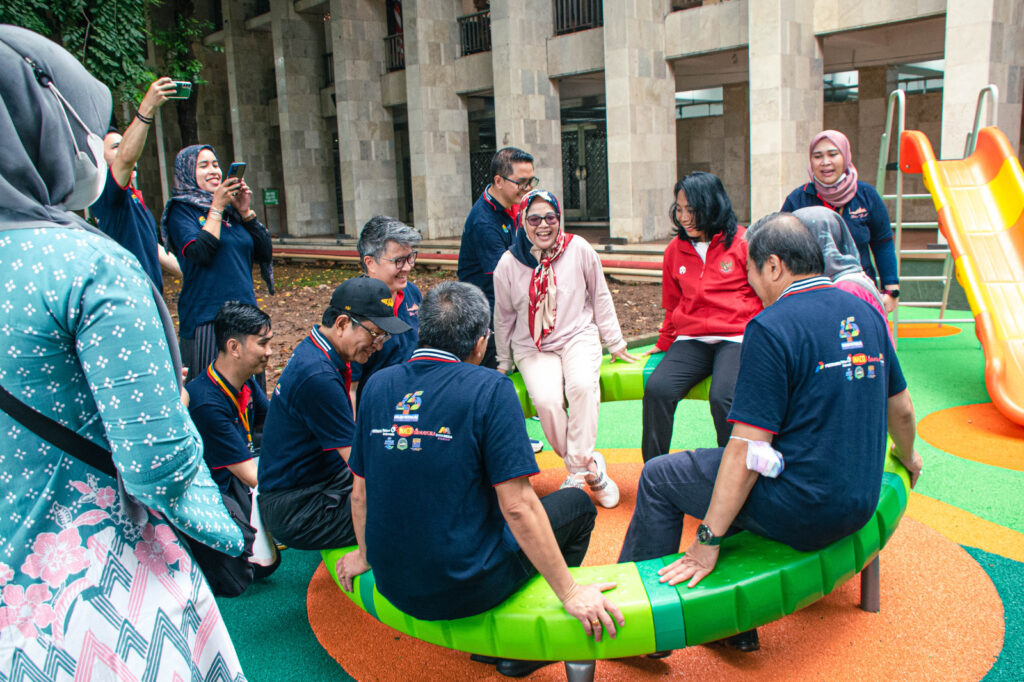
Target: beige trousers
(571, 374)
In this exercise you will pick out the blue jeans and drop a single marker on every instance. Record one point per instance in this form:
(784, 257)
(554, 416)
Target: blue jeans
(671, 486)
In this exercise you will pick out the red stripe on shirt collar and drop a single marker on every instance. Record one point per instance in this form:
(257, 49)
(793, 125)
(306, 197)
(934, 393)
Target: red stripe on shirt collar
(433, 355)
(809, 284)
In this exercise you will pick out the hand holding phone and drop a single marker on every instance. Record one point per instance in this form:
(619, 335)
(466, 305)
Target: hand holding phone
(236, 170)
(182, 90)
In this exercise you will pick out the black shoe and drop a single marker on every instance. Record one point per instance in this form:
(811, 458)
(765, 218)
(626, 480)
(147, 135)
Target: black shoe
(510, 667)
(660, 654)
(480, 658)
(745, 641)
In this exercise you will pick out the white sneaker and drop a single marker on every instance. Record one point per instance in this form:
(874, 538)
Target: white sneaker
(601, 485)
(572, 481)
(536, 445)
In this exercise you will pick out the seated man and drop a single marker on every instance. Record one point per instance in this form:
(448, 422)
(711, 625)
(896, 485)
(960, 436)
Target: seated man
(386, 250)
(228, 408)
(439, 434)
(818, 380)
(304, 483)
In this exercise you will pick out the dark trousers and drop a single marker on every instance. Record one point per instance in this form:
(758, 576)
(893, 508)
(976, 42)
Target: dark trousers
(572, 514)
(315, 517)
(685, 364)
(491, 354)
(670, 486)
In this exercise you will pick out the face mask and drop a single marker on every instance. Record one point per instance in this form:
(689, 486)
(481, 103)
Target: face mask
(90, 173)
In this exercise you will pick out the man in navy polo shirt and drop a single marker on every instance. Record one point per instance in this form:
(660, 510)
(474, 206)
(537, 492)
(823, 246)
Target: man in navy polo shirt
(120, 210)
(442, 503)
(304, 482)
(490, 226)
(386, 253)
(228, 407)
(819, 382)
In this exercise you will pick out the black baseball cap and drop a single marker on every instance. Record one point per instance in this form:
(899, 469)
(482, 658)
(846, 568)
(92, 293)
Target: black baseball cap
(368, 299)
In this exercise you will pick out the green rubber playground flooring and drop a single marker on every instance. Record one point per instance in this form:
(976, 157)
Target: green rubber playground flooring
(274, 641)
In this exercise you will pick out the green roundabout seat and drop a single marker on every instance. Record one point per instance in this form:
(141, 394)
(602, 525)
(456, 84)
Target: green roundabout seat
(755, 582)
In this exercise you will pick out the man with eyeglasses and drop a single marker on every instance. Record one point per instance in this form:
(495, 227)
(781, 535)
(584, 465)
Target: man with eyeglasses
(491, 224)
(304, 480)
(387, 253)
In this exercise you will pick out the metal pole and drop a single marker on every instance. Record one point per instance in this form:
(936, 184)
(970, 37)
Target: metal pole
(870, 588)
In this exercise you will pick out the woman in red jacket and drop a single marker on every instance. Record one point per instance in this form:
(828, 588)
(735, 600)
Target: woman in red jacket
(707, 302)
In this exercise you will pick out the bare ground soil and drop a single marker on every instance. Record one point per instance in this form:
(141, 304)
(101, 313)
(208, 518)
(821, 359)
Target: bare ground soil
(303, 289)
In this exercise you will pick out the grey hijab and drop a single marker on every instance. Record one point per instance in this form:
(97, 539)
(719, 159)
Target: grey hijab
(36, 149)
(839, 251)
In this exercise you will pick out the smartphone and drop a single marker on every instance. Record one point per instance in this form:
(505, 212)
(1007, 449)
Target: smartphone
(182, 90)
(236, 170)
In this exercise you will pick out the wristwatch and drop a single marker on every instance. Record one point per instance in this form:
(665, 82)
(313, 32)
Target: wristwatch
(706, 537)
(895, 293)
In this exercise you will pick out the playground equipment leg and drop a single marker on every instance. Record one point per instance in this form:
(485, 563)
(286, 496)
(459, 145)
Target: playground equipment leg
(579, 671)
(870, 590)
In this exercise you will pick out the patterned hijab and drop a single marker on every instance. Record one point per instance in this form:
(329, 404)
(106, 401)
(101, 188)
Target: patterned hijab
(543, 283)
(845, 188)
(839, 251)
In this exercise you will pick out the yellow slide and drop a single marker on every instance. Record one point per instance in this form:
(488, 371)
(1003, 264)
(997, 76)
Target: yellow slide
(980, 201)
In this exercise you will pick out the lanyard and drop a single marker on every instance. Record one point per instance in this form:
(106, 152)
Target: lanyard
(240, 405)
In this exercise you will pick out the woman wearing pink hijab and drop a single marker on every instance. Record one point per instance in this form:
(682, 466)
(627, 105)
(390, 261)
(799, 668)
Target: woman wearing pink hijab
(834, 184)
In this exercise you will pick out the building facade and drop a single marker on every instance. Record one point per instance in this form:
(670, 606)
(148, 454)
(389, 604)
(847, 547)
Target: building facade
(350, 108)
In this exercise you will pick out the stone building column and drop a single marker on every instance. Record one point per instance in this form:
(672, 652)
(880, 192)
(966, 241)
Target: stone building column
(734, 146)
(984, 44)
(786, 98)
(306, 138)
(438, 121)
(250, 86)
(526, 104)
(366, 134)
(640, 98)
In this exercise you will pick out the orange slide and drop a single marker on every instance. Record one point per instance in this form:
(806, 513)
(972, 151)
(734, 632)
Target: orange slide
(980, 201)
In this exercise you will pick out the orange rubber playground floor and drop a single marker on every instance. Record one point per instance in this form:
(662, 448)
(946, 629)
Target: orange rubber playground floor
(952, 576)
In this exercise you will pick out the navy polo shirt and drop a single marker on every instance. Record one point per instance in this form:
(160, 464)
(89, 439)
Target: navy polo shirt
(204, 289)
(399, 347)
(434, 437)
(868, 220)
(817, 369)
(122, 214)
(486, 236)
(225, 441)
(310, 417)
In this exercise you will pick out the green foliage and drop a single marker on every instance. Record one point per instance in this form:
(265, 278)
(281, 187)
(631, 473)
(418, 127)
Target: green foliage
(107, 36)
(180, 62)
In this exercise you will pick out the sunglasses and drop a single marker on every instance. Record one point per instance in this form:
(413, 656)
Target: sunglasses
(535, 220)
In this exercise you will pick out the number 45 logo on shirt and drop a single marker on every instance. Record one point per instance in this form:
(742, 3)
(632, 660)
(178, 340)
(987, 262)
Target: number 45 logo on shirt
(410, 403)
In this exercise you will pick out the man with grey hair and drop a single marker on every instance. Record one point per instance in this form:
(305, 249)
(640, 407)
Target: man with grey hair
(439, 433)
(386, 252)
(819, 384)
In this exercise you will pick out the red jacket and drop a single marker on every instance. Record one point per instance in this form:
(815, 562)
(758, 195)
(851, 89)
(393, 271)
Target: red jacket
(711, 298)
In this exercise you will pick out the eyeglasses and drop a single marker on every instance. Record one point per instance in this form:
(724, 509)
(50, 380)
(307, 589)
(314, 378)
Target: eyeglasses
(525, 185)
(549, 218)
(379, 338)
(402, 261)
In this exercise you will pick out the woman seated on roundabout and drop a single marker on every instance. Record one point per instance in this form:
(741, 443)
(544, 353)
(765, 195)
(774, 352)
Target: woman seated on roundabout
(552, 309)
(707, 302)
(834, 185)
(842, 260)
(216, 237)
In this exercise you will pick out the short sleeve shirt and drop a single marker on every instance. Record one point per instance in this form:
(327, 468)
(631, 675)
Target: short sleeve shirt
(434, 437)
(817, 369)
(310, 417)
(225, 437)
(123, 215)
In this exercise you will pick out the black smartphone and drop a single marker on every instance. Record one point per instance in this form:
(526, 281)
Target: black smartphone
(236, 170)
(182, 90)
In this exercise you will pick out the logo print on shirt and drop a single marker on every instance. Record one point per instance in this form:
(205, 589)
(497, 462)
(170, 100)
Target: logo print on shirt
(682, 269)
(413, 310)
(410, 403)
(725, 266)
(849, 330)
(859, 213)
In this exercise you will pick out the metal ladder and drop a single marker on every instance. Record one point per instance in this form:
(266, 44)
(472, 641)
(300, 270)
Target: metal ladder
(897, 109)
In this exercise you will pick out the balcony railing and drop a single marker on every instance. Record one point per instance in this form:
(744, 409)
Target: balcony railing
(475, 32)
(394, 52)
(577, 15)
